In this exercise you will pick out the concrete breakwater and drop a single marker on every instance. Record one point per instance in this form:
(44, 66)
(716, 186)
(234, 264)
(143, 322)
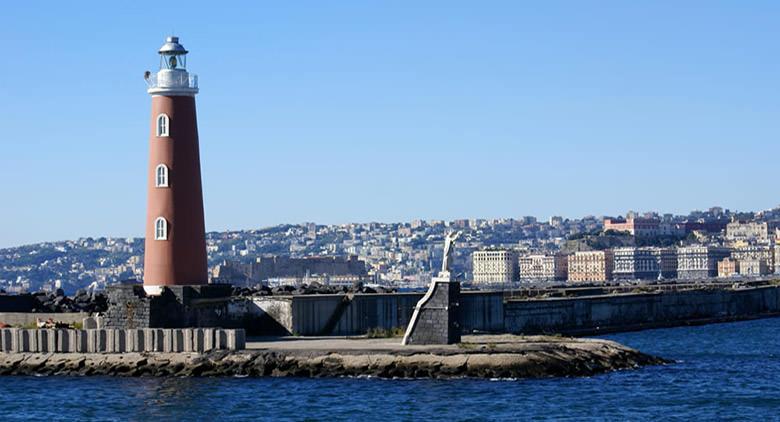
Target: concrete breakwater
(623, 312)
(479, 356)
(490, 312)
(199, 340)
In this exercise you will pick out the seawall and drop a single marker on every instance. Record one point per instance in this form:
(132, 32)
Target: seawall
(634, 311)
(345, 315)
(490, 312)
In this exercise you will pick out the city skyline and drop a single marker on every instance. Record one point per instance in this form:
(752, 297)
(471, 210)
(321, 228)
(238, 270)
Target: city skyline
(347, 113)
(404, 254)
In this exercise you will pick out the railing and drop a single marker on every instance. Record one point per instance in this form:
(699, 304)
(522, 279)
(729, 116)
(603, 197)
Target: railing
(176, 79)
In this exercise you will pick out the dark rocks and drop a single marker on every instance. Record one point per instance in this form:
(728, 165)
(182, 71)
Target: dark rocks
(315, 288)
(57, 302)
(534, 360)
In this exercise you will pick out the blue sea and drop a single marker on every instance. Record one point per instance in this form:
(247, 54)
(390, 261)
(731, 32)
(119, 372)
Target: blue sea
(723, 372)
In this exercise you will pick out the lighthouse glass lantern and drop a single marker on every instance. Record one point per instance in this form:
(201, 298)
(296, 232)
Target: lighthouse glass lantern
(172, 77)
(173, 55)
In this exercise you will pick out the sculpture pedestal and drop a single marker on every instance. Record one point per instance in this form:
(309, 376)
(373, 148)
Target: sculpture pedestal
(435, 318)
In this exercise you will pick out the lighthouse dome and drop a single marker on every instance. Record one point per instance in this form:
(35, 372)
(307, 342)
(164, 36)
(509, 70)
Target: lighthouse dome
(172, 47)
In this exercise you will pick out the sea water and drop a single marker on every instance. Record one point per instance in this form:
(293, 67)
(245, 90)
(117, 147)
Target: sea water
(722, 371)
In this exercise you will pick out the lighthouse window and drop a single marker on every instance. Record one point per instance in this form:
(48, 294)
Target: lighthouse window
(161, 177)
(160, 229)
(162, 125)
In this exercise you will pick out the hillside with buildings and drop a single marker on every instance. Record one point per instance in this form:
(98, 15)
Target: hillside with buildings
(588, 249)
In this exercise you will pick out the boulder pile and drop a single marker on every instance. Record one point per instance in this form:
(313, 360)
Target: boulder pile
(82, 301)
(314, 288)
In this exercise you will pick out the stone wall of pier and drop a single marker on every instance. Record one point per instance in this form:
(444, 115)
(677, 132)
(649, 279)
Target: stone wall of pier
(625, 312)
(313, 315)
(489, 312)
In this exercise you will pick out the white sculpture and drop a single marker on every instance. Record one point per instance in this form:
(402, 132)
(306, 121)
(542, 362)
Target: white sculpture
(449, 246)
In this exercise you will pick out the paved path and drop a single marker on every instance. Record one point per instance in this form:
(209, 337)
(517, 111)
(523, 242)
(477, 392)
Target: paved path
(394, 344)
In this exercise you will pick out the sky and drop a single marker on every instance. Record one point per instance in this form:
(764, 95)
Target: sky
(357, 111)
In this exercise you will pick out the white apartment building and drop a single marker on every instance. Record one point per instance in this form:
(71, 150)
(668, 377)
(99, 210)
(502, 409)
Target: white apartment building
(699, 262)
(764, 254)
(543, 267)
(752, 231)
(494, 266)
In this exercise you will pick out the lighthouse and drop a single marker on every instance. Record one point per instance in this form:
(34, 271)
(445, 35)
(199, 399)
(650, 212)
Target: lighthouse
(175, 246)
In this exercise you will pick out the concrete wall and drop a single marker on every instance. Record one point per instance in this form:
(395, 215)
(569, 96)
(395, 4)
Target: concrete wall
(21, 319)
(343, 315)
(376, 311)
(590, 315)
(274, 315)
(196, 340)
(481, 312)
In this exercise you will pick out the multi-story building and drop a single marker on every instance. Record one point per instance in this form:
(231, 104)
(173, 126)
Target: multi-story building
(753, 267)
(728, 267)
(765, 254)
(591, 266)
(667, 259)
(635, 263)
(494, 266)
(543, 267)
(283, 267)
(644, 263)
(752, 231)
(699, 261)
(777, 259)
(636, 226)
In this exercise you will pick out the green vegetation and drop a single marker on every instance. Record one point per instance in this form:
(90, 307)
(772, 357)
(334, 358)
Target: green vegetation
(384, 333)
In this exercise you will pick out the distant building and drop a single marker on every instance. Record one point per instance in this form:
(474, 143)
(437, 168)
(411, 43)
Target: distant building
(667, 258)
(636, 226)
(709, 226)
(696, 262)
(527, 220)
(332, 268)
(591, 266)
(644, 263)
(753, 267)
(460, 224)
(543, 267)
(777, 259)
(752, 232)
(728, 267)
(494, 266)
(764, 254)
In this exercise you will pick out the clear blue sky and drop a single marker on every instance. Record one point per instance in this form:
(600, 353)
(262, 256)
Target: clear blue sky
(337, 112)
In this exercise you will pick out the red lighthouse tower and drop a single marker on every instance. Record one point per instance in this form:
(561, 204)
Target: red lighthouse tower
(175, 245)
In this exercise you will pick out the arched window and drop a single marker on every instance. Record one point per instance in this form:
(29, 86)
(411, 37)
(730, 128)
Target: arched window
(160, 229)
(161, 176)
(163, 124)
